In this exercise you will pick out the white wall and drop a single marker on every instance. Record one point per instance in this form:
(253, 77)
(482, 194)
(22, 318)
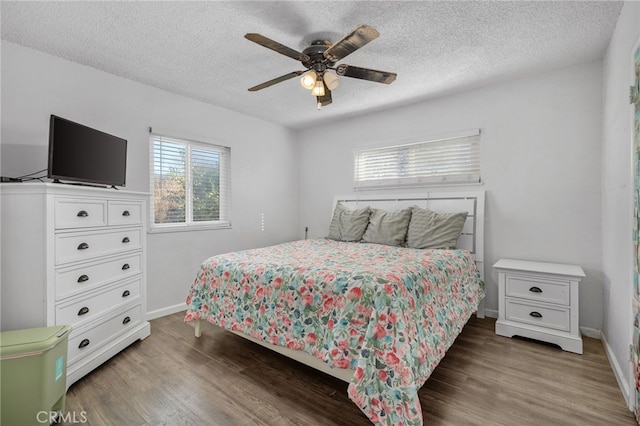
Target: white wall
(617, 195)
(540, 161)
(263, 155)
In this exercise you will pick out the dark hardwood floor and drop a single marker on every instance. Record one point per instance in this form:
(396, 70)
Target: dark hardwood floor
(172, 378)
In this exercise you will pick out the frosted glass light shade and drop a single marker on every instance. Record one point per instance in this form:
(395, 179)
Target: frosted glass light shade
(308, 80)
(331, 80)
(318, 89)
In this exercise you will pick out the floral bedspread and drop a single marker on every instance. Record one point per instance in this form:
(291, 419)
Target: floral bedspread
(389, 313)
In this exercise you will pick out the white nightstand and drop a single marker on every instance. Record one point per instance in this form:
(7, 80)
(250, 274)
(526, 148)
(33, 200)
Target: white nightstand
(539, 301)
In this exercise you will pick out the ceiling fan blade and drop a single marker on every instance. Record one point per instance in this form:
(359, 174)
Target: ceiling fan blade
(276, 80)
(274, 45)
(366, 74)
(326, 99)
(353, 41)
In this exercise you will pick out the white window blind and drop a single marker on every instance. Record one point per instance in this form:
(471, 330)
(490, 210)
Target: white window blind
(454, 159)
(189, 182)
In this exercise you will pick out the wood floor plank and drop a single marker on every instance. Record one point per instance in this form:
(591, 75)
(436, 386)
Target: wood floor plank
(173, 378)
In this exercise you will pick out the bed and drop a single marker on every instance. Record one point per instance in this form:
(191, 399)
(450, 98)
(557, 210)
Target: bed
(378, 316)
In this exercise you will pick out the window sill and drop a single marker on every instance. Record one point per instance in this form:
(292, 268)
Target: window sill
(186, 228)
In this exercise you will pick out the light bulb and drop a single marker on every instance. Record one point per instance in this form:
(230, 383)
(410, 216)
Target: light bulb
(308, 80)
(331, 80)
(318, 89)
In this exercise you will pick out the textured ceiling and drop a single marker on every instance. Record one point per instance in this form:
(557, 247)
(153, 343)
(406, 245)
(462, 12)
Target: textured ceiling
(197, 49)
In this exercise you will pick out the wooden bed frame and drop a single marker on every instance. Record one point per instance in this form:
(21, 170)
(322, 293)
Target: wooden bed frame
(472, 239)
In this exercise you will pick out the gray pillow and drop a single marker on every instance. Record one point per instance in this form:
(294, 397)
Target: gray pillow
(388, 228)
(431, 230)
(348, 225)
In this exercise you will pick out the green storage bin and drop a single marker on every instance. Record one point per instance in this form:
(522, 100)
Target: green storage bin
(33, 374)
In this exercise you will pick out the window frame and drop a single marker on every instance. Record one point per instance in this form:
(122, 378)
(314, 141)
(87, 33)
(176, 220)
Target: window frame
(424, 180)
(225, 184)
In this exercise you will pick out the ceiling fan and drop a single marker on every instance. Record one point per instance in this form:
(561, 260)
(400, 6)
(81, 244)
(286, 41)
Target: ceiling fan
(322, 56)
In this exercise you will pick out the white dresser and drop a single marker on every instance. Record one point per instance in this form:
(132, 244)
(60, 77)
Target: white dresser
(75, 255)
(539, 301)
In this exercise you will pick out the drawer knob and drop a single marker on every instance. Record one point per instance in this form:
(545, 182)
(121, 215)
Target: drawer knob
(82, 213)
(126, 213)
(126, 320)
(83, 246)
(84, 343)
(126, 293)
(83, 278)
(535, 290)
(83, 311)
(125, 266)
(536, 314)
(126, 240)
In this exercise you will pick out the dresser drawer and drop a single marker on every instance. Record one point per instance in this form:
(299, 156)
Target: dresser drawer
(540, 289)
(84, 310)
(557, 318)
(80, 246)
(81, 344)
(79, 213)
(79, 279)
(124, 213)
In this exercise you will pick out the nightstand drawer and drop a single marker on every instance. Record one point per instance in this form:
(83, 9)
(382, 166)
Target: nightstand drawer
(557, 318)
(540, 289)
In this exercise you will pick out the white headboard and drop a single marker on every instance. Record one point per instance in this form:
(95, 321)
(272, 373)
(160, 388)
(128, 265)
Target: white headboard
(472, 237)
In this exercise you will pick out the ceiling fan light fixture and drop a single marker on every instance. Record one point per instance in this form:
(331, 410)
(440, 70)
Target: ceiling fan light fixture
(321, 57)
(308, 80)
(318, 88)
(332, 81)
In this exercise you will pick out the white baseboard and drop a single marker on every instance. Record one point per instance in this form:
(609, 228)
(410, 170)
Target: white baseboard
(491, 313)
(166, 311)
(594, 333)
(617, 371)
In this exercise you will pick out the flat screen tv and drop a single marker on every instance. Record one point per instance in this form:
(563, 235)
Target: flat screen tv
(82, 154)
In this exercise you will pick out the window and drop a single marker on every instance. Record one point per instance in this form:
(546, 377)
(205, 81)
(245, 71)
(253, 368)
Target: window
(189, 183)
(446, 160)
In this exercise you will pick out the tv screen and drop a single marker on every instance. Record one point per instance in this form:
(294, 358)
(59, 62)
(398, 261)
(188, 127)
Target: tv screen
(80, 153)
